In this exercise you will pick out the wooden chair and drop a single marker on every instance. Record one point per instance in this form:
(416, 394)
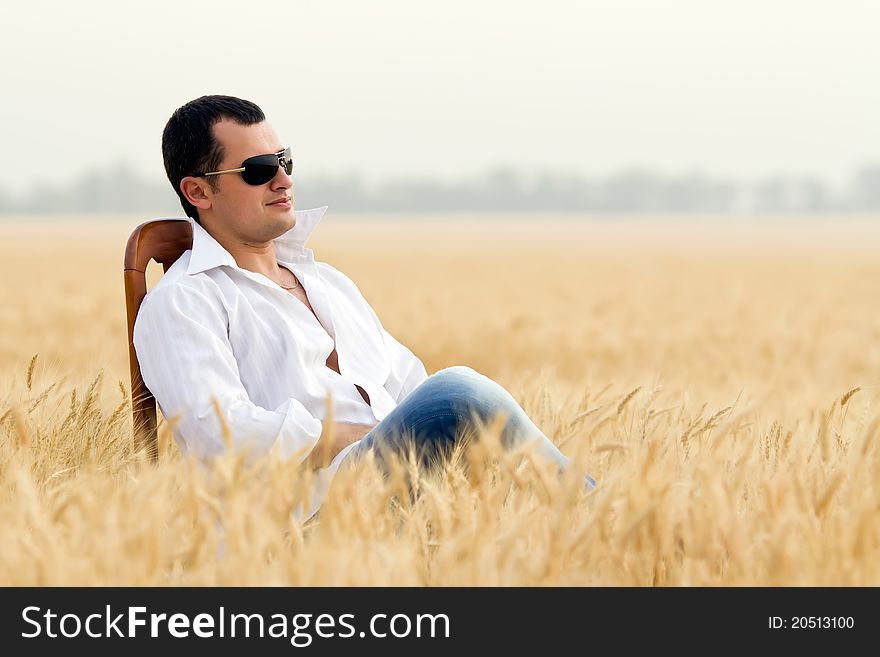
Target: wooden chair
(162, 240)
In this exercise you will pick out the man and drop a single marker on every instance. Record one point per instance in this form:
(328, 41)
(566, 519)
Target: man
(249, 325)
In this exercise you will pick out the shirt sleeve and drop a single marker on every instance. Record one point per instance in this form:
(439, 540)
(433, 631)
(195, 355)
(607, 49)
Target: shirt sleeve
(407, 371)
(182, 343)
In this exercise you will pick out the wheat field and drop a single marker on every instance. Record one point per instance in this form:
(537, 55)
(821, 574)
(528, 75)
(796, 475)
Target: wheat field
(718, 377)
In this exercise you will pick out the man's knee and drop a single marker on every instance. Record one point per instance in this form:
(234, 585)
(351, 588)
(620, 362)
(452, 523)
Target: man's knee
(479, 390)
(458, 371)
(463, 376)
(464, 380)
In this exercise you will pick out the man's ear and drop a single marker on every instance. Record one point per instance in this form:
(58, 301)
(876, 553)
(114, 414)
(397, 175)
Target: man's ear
(197, 192)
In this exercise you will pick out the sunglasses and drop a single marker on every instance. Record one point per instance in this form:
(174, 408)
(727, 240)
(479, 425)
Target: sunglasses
(260, 169)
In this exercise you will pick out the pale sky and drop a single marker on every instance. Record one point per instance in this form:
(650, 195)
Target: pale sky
(447, 89)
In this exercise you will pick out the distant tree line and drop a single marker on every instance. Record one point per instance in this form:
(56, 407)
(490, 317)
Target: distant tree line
(633, 191)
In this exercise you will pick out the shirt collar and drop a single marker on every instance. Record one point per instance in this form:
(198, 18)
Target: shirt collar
(208, 253)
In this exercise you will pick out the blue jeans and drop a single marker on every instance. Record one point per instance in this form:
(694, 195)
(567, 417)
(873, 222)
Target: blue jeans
(442, 409)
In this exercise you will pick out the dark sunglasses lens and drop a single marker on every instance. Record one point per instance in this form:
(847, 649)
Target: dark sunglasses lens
(287, 161)
(259, 170)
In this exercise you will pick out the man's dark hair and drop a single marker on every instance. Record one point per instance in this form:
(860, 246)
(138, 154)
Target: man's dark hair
(188, 143)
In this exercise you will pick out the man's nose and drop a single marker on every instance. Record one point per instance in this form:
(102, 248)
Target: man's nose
(282, 178)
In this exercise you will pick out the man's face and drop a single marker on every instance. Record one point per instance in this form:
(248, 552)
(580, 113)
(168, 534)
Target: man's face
(247, 211)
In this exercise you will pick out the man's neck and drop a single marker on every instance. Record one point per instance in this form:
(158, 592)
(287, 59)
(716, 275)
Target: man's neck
(259, 257)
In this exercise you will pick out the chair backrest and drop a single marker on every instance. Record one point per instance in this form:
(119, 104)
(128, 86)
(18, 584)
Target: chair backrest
(162, 240)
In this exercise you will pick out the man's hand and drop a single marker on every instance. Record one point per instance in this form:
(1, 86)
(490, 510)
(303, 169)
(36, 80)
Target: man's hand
(343, 435)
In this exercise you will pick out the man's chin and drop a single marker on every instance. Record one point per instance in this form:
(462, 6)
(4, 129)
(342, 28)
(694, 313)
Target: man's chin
(284, 221)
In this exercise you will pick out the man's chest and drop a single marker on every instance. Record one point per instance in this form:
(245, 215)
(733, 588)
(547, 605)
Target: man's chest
(299, 338)
(303, 297)
(333, 358)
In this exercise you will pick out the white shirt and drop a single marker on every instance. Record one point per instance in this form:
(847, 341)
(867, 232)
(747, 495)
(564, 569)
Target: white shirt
(209, 327)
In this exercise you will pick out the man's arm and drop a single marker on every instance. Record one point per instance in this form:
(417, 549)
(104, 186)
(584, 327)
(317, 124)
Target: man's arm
(185, 357)
(407, 371)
